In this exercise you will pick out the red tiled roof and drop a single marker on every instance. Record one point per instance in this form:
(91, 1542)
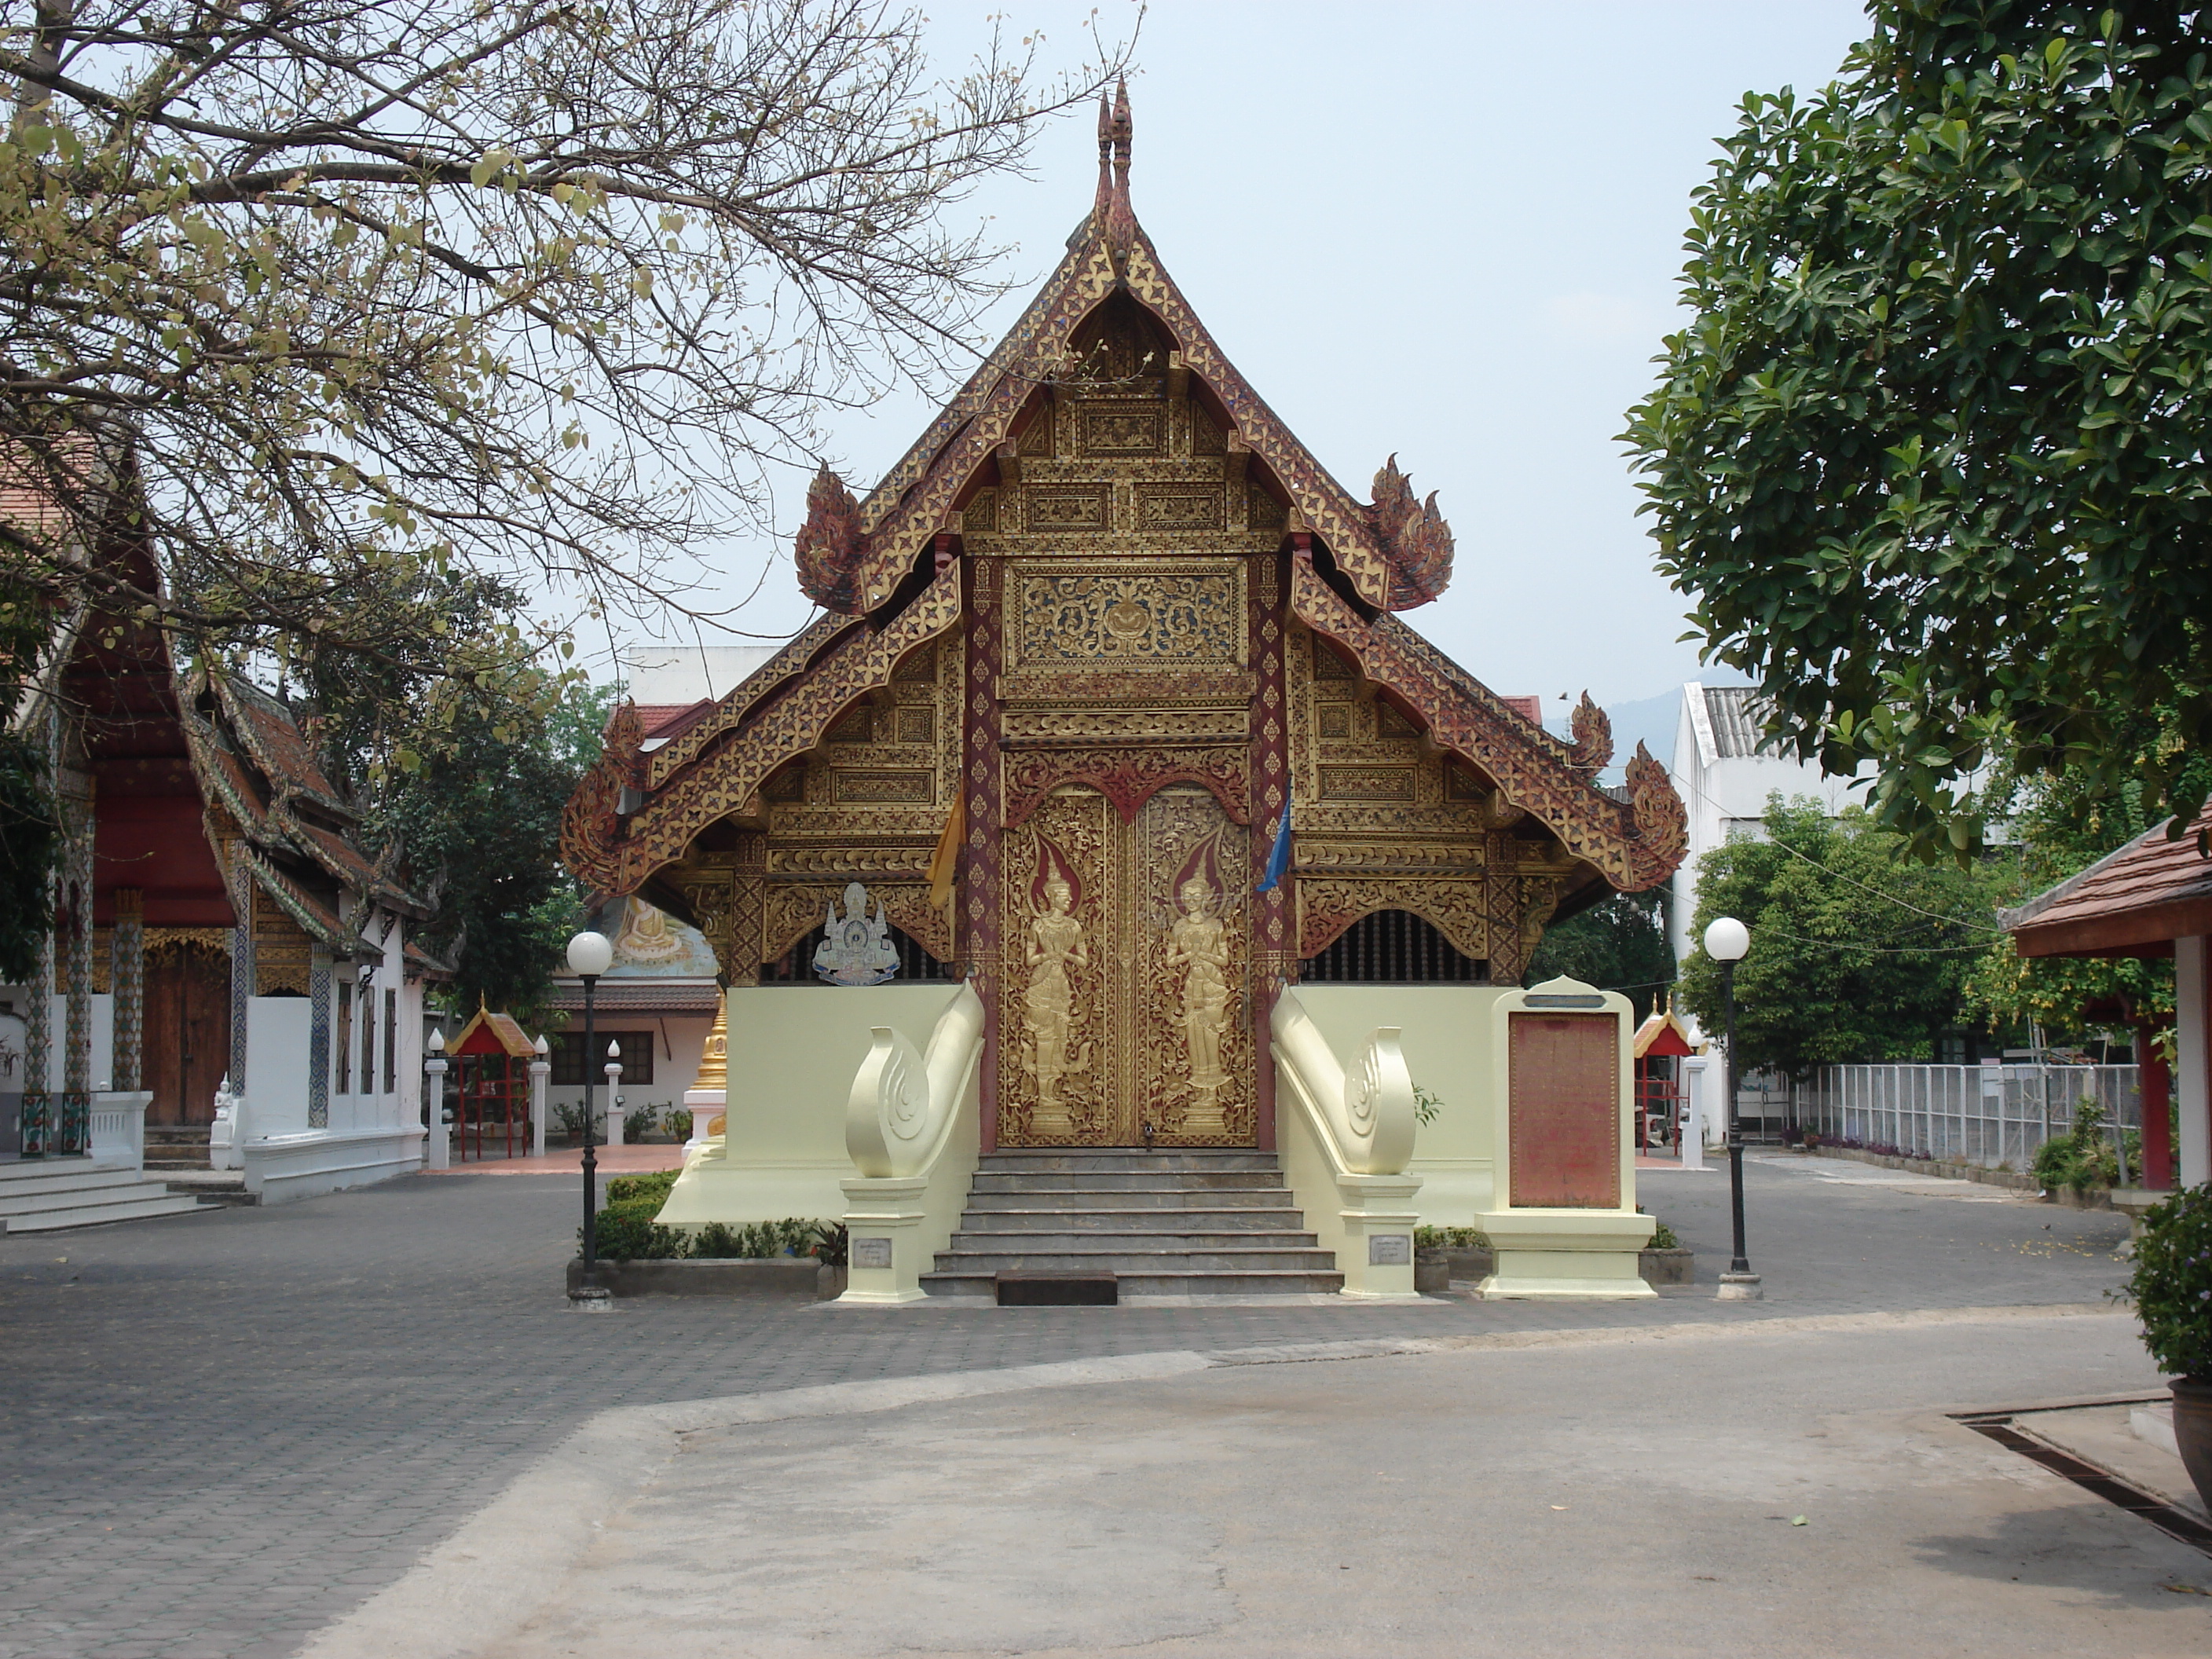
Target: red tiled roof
(1530, 708)
(663, 720)
(666, 997)
(2133, 902)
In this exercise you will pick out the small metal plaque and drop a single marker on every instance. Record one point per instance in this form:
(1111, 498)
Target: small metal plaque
(1389, 1249)
(872, 1253)
(1559, 1001)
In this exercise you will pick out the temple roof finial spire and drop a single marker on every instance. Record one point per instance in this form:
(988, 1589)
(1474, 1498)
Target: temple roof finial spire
(1113, 217)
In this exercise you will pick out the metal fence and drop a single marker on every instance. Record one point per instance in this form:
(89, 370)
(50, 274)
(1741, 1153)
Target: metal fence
(1991, 1115)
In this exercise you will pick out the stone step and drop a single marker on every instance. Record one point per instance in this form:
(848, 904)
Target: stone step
(31, 1190)
(177, 1135)
(983, 1286)
(1161, 1220)
(1134, 1261)
(1057, 1240)
(1073, 1198)
(216, 1186)
(1195, 1180)
(82, 1194)
(1102, 1160)
(97, 1215)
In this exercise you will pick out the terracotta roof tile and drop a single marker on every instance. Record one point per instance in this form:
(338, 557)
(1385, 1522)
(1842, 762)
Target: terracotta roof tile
(2136, 902)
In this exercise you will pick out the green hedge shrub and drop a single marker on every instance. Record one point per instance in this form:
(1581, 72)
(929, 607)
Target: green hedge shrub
(2085, 1157)
(626, 1232)
(657, 1184)
(1453, 1238)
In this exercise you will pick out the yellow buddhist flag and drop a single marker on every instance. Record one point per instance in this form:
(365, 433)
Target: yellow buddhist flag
(944, 862)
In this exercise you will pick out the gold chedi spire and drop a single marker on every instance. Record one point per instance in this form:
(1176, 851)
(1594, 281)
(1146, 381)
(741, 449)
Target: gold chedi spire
(714, 1058)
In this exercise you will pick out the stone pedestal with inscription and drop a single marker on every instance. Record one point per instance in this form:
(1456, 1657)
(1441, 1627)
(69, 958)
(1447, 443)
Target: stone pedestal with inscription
(883, 1217)
(1566, 1222)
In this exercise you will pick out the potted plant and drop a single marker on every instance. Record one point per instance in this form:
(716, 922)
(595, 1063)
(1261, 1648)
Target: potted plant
(2171, 1289)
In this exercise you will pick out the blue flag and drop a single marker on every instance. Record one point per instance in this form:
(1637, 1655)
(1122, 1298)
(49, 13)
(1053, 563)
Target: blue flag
(1279, 860)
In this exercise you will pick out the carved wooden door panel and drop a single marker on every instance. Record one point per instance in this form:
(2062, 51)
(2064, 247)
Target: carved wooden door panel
(187, 1033)
(1127, 997)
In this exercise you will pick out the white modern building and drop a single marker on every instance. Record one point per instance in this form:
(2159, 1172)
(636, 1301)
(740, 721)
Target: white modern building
(1724, 769)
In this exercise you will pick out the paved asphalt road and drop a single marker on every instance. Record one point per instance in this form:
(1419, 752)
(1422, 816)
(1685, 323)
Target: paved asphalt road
(221, 1433)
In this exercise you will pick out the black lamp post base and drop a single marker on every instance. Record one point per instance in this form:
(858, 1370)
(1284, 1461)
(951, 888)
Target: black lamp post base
(1740, 1287)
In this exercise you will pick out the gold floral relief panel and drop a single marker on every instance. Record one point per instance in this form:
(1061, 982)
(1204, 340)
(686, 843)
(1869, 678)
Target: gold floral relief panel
(1166, 617)
(1125, 999)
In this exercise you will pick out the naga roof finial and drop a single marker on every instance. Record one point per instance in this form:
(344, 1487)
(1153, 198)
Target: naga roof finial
(1116, 220)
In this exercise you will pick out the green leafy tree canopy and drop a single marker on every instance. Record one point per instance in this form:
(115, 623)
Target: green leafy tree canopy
(1930, 459)
(1856, 955)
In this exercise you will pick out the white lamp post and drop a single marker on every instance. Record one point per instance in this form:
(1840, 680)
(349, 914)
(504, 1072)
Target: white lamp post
(1727, 940)
(590, 955)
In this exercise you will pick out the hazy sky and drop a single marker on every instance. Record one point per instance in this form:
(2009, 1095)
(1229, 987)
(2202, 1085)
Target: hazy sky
(1447, 231)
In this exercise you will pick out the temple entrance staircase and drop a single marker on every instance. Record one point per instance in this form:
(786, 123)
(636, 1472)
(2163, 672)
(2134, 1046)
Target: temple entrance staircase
(176, 1145)
(179, 1152)
(44, 1194)
(1170, 1223)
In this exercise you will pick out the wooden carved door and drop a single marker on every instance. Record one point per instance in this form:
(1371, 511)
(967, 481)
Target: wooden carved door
(1126, 999)
(187, 1032)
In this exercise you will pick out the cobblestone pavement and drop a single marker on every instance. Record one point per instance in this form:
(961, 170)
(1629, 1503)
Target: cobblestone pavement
(220, 1431)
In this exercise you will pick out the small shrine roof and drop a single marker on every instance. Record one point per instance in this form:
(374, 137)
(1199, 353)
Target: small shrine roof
(488, 1033)
(1660, 1036)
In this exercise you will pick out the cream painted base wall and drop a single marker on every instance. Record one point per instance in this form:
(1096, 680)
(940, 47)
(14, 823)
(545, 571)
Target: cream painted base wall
(1447, 1042)
(793, 1051)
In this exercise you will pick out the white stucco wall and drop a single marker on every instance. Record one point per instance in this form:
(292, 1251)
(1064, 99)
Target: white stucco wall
(679, 1041)
(276, 1064)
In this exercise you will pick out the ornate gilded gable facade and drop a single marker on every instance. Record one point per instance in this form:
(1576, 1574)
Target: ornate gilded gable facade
(1096, 630)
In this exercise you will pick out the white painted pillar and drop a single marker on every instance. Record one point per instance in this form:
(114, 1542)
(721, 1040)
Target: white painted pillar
(2192, 1073)
(540, 1069)
(614, 1070)
(1696, 1083)
(434, 1092)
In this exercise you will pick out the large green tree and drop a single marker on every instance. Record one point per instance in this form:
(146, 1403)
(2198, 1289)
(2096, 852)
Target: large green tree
(322, 295)
(1930, 457)
(469, 804)
(1856, 955)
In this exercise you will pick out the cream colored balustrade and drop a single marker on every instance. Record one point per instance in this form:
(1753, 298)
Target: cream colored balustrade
(1366, 1114)
(903, 1102)
(911, 1129)
(1345, 1141)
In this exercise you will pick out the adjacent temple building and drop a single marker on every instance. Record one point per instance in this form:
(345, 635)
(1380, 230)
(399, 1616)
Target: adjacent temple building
(1101, 637)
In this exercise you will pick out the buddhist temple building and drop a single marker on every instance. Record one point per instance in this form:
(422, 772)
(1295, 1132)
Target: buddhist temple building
(1111, 742)
(225, 959)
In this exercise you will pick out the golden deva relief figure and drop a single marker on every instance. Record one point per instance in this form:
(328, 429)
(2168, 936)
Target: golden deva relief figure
(1056, 954)
(1199, 943)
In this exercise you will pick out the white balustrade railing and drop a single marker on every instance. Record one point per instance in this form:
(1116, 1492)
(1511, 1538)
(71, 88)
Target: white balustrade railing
(1366, 1113)
(902, 1100)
